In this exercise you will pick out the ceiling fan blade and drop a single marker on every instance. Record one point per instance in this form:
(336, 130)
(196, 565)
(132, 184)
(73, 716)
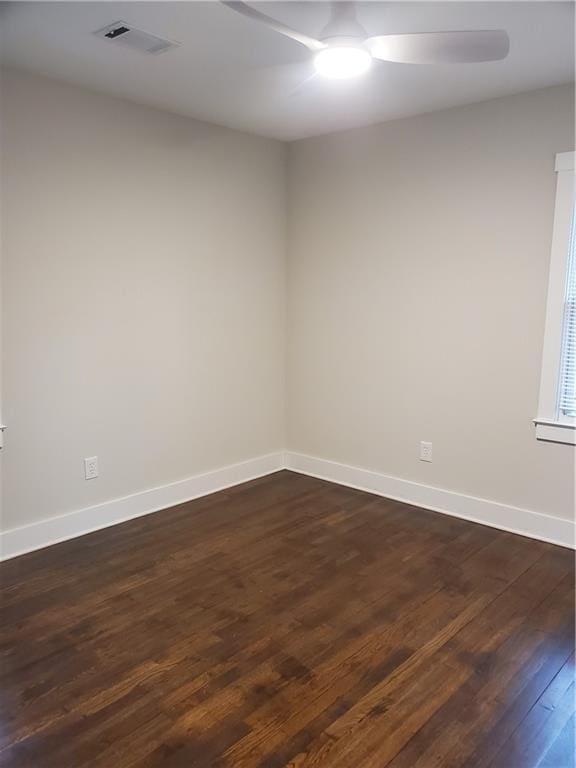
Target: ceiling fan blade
(441, 47)
(277, 26)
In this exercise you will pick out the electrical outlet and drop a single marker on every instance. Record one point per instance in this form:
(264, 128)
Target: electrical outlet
(425, 451)
(91, 468)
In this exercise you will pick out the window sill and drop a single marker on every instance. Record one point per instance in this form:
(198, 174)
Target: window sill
(555, 431)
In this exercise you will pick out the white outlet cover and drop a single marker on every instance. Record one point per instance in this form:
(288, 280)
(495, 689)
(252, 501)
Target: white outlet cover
(91, 468)
(425, 451)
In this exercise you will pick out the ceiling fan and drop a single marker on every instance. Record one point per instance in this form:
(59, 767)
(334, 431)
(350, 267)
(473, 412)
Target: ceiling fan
(344, 48)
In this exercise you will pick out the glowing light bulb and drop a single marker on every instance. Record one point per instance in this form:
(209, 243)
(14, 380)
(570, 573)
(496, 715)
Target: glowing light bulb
(342, 61)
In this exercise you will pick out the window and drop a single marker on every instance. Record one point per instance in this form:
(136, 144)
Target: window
(556, 419)
(567, 402)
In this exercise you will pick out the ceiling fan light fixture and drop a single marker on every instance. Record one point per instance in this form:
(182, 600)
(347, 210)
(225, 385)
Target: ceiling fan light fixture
(342, 61)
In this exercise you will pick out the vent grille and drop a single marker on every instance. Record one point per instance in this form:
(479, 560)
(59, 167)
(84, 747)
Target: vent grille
(123, 34)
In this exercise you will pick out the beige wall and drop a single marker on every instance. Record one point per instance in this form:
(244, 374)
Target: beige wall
(143, 297)
(418, 263)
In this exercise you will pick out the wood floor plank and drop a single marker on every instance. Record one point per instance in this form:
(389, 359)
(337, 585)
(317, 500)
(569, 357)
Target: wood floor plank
(562, 749)
(542, 725)
(473, 722)
(289, 623)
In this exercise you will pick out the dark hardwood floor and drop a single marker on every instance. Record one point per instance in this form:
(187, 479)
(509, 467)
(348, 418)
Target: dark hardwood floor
(289, 622)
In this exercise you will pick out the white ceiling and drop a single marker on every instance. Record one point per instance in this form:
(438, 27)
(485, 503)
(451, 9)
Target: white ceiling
(238, 73)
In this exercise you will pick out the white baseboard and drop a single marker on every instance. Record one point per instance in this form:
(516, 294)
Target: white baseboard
(513, 519)
(45, 532)
(536, 525)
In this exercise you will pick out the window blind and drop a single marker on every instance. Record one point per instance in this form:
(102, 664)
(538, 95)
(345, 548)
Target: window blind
(567, 403)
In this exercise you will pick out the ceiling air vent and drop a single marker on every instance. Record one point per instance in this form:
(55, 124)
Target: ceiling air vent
(136, 39)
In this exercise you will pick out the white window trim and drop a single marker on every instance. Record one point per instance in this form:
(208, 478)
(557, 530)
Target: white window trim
(549, 424)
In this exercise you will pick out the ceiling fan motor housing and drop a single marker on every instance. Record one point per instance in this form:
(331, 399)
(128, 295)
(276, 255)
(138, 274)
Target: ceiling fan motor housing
(343, 26)
(345, 41)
